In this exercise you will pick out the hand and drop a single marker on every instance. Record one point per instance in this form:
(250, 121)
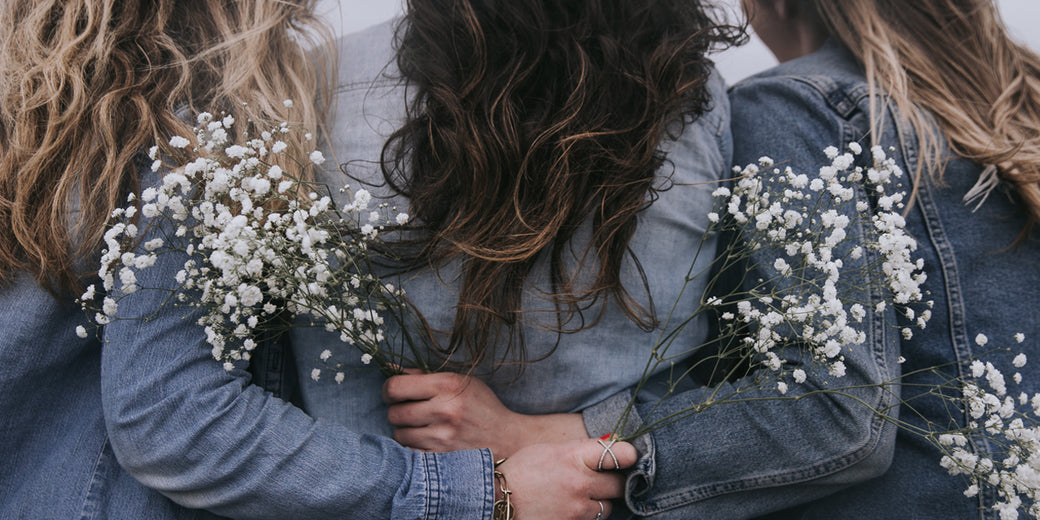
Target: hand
(447, 411)
(560, 481)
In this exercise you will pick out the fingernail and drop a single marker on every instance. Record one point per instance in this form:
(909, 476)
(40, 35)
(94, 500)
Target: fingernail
(607, 436)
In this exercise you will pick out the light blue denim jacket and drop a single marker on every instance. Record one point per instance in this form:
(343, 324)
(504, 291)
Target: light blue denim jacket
(104, 427)
(138, 421)
(978, 286)
(726, 463)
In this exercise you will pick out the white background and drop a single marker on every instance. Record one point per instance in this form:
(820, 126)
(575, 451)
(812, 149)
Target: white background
(345, 16)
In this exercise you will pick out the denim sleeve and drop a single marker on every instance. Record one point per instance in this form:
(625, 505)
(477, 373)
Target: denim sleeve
(740, 460)
(208, 439)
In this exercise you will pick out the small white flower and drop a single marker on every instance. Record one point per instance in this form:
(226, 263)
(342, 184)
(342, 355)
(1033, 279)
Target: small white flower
(799, 375)
(837, 369)
(1019, 361)
(288, 103)
(81, 331)
(316, 157)
(981, 340)
(179, 142)
(340, 376)
(781, 387)
(366, 358)
(1019, 337)
(316, 374)
(325, 355)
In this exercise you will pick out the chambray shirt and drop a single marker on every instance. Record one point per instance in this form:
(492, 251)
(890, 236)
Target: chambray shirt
(979, 283)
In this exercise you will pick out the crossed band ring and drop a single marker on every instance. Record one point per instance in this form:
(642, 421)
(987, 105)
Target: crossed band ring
(606, 450)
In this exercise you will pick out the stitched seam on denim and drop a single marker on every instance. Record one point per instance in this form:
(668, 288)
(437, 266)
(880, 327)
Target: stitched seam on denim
(432, 486)
(374, 84)
(98, 479)
(488, 504)
(843, 99)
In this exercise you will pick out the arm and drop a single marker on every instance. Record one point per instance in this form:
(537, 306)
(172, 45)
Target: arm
(206, 438)
(749, 458)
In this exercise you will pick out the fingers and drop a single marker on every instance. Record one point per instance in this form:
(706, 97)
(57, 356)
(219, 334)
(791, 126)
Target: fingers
(424, 439)
(409, 414)
(417, 386)
(597, 456)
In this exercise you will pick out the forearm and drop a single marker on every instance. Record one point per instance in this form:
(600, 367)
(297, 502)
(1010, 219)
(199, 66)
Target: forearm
(182, 424)
(761, 452)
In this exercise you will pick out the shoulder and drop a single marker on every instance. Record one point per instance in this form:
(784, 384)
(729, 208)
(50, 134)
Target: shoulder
(369, 103)
(703, 151)
(366, 57)
(805, 104)
(830, 79)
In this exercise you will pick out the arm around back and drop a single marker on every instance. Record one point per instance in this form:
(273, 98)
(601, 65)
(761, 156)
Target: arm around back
(206, 438)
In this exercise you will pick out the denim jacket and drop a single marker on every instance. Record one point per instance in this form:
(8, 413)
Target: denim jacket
(139, 421)
(727, 462)
(791, 113)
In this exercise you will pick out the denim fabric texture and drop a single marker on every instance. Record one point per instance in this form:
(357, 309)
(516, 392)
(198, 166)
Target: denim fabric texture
(587, 368)
(104, 427)
(979, 284)
(58, 462)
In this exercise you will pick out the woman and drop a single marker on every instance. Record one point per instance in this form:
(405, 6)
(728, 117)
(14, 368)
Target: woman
(552, 242)
(939, 86)
(137, 420)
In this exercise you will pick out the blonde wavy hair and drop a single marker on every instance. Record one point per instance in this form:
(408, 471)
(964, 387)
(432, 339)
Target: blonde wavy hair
(954, 59)
(85, 85)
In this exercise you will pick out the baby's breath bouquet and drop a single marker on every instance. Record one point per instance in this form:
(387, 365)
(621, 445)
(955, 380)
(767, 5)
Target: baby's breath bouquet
(263, 246)
(804, 260)
(822, 252)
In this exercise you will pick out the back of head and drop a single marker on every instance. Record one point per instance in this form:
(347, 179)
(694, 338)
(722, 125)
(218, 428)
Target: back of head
(86, 85)
(954, 59)
(529, 118)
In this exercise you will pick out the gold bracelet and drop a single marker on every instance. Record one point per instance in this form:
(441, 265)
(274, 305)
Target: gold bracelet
(504, 507)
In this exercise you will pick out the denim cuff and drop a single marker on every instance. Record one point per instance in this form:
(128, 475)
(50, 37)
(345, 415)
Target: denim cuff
(601, 419)
(459, 484)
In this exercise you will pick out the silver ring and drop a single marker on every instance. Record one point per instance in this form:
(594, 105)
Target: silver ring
(606, 450)
(599, 516)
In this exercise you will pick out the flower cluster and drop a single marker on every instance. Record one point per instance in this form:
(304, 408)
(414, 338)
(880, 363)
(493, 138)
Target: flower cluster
(261, 246)
(805, 260)
(1000, 445)
(822, 246)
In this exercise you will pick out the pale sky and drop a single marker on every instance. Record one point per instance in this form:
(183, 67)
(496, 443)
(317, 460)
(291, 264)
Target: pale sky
(1022, 17)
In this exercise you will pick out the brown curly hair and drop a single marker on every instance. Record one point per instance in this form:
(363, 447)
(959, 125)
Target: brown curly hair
(530, 118)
